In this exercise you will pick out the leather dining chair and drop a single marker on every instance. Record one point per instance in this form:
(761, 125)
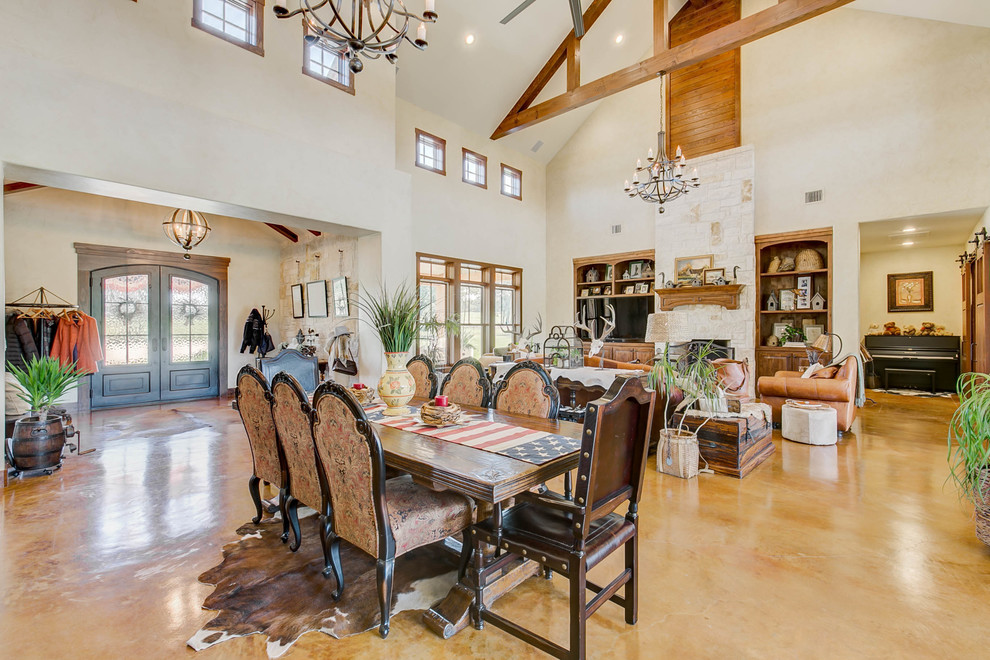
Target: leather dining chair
(253, 398)
(293, 421)
(384, 518)
(573, 536)
(468, 384)
(527, 390)
(425, 375)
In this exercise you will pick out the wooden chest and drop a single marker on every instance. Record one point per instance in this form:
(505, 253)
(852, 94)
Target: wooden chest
(732, 445)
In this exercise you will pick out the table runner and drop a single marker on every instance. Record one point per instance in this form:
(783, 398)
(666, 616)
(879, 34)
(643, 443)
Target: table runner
(528, 445)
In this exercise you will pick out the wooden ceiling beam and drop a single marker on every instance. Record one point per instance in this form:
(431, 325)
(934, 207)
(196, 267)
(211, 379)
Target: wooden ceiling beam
(315, 233)
(573, 65)
(558, 58)
(659, 26)
(19, 186)
(746, 30)
(284, 231)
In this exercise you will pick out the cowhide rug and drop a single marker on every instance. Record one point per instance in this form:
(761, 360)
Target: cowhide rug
(264, 588)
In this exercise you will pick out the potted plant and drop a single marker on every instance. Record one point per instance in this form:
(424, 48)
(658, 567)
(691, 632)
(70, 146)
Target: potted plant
(792, 335)
(395, 318)
(39, 436)
(434, 330)
(691, 380)
(969, 447)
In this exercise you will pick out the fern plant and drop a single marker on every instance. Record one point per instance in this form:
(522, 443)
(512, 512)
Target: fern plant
(45, 381)
(969, 437)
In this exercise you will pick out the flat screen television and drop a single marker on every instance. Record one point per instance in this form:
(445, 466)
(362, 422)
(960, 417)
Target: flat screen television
(630, 317)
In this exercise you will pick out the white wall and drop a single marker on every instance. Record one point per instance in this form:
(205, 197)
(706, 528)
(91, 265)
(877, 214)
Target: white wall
(451, 218)
(40, 227)
(887, 114)
(874, 268)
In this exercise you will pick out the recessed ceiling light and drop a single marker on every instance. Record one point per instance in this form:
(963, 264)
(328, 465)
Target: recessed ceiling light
(469, 39)
(907, 243)
(619, 38)
(908, 230)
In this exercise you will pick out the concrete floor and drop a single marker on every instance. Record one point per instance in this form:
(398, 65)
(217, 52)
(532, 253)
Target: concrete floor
(854, 551)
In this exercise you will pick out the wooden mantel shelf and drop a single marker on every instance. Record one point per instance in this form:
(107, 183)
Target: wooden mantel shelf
(725, 296)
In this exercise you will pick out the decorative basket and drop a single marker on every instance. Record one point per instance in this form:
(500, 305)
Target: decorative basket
(439, 416)
(809, 259)
(678, 454)
(983, 510)
(363, 396)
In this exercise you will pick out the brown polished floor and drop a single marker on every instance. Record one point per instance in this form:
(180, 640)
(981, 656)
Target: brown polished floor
(823, 552)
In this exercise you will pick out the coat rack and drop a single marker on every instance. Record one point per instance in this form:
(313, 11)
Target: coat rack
(41, 298)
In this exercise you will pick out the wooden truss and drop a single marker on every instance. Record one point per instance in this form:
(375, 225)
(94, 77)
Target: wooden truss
(664, 60)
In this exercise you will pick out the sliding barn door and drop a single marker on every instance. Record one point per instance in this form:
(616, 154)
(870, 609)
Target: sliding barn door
(981, 283)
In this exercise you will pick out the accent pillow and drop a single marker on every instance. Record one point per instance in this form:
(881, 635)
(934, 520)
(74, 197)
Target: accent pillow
(825, 372)
(812, 370)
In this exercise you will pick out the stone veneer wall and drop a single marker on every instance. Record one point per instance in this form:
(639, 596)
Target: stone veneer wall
(719, 219)
(317, 258)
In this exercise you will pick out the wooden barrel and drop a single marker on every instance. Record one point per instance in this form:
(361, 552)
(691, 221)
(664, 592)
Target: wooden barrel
(36, 443)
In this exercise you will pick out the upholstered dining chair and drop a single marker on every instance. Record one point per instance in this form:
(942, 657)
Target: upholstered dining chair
(293, 421)
(425, 375)
(253, 398)
(527, 390)
(573, 536)
(468, 384)
(384, 518)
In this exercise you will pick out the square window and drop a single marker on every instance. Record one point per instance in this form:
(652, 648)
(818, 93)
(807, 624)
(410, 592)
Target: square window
(240, 22)
(326, 64)
(474, 168)
(511, 182)
(431, 152)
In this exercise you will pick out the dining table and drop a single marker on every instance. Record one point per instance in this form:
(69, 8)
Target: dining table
(492, 476)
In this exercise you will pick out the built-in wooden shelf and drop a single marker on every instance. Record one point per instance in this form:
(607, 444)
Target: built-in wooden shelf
(616, 295)
(794, 311)
(790, 273)
(726, 296)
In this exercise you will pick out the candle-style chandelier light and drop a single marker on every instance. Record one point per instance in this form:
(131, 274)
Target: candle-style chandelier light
(185, 228)
(662, 178)
(359, 28)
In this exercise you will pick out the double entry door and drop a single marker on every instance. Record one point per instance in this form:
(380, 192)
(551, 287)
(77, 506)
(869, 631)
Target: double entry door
(160, 331)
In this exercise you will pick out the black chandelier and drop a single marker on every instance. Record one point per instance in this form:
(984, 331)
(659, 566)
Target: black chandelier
(360, 28)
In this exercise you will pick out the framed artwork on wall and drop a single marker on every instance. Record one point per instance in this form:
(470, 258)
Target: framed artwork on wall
(910, 292)
(813, 332)
(804, 292)
(713, 275)
(317, 294)
(787, 300)
(340, 307)
(688, 268)
(608, 272)
(297, 301)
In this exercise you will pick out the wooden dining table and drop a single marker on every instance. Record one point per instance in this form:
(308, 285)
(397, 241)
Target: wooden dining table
(489, 478)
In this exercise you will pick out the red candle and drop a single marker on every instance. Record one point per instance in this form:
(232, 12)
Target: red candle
(441, 401)
(359, 386)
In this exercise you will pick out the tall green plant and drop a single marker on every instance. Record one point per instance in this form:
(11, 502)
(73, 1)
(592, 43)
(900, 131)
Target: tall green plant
(694, 376)
(969, 436)
(45, 381)
(394, 316)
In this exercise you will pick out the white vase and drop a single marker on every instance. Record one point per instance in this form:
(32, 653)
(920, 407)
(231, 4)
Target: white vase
(397, 386)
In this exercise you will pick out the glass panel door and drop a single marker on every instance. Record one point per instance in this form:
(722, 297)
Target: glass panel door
(189, 335)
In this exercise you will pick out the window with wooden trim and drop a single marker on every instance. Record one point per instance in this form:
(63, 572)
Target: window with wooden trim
(240, 22)
(474, 168)
(431, 152)
(485, 299)
(327, 65)
(511, 182)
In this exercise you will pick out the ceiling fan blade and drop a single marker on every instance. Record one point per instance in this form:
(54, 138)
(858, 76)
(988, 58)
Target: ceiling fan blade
(578, 17)
(518, 10)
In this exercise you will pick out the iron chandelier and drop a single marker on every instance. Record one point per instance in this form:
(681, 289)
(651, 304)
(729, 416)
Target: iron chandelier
(360, 28)
(187, 229)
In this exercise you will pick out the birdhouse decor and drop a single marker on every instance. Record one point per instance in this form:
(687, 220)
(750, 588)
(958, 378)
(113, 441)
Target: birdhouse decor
(772, 302)
(818, 302)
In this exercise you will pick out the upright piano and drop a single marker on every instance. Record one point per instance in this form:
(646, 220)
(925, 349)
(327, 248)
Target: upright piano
(918, 362)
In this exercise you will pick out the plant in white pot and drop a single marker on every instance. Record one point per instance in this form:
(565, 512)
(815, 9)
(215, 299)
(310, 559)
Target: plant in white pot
(39, 436)
(690, 381)
(969, 447)
(396, 319)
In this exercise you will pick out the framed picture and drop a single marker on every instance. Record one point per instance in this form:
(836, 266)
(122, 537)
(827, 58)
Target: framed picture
(635, 269)
(297, 301)
(584, 293)
(608, 291)
(643, 287)
(787, 300)
(596, 291)
(317, 294)
(608, 272)
(688, 268)
(813, 332)
(778, 329)
(339, 287)
(711, 275)
(804, 292)
(629, 288)
(910, 292)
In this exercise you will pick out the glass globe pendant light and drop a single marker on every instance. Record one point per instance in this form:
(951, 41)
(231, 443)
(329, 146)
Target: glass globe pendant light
(185, 228)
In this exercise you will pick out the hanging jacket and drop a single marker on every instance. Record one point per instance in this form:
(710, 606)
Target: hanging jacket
(43, 331)
(267, 347)
(23, 343)
(78, 341)
(254, 332)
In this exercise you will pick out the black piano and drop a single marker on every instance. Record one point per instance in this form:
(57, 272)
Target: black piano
(930, 363)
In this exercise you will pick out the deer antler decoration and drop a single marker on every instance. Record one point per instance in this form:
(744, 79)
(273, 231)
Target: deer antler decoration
(597, 343)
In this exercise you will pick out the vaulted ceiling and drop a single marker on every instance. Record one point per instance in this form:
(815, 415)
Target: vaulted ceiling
(475, 85)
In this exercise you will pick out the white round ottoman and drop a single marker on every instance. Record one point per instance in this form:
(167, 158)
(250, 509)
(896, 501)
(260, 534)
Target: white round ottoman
(809, 423)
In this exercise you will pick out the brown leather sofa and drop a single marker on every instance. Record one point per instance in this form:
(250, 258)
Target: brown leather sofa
(838, 392)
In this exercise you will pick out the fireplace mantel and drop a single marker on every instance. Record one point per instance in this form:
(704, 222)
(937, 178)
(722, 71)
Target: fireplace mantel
(726, 296)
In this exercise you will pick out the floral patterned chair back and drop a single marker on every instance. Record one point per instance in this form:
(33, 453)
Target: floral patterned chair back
(254, 405)
(528, 390)
(425, 375)
(290, 408)
(353, 466)
(467, 384)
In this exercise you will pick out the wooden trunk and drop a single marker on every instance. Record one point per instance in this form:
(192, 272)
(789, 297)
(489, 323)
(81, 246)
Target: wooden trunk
(732, 445)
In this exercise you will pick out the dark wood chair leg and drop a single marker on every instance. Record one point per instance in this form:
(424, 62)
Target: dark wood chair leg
(338, 571)
(579, 617)
(385, 567)
(632, 589)
(568, 487)
(547, 573)
(254, 486)
(466, 547)
(479, 586)
(325, 539)
(291, 508)
(282, 497)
